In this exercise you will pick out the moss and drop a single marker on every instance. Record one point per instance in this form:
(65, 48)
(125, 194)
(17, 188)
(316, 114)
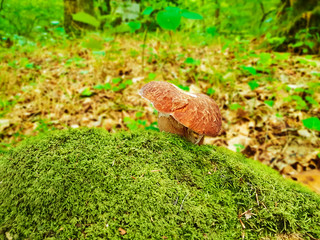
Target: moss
(88, 183)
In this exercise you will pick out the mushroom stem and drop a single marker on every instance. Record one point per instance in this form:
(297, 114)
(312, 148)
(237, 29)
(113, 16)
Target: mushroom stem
(167, 123)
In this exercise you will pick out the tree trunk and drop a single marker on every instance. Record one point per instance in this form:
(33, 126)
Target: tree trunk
(71, 7)
(298, 21)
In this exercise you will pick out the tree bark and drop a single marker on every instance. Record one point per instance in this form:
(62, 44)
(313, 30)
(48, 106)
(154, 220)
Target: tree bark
(298, 21)
(71, 7)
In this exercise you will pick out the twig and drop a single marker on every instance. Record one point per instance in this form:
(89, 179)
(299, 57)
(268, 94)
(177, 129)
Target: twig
(257, 198)
(183, 201)
(175, 203)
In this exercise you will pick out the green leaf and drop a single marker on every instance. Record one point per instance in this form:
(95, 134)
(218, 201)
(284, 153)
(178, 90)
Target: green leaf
(192, 61)
(253, 84)
(173, 9)
(116, 80)
(235, 106)
(134, 25)
(169, 20)
(251, 70)
(139, 114)
(210, 91)
(185, 88)
(106, 86)
(86, 18)
(191, 15)
(212, 31)
(312, 123)
(270, 103)
(147, 11)
(86, 92)
(239, 147)
(152, 76)
(312, 100)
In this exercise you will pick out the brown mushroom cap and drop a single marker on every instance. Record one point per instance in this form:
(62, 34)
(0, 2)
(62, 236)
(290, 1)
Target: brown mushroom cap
(197, 112)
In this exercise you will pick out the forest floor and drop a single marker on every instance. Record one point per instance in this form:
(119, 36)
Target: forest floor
(269, 101)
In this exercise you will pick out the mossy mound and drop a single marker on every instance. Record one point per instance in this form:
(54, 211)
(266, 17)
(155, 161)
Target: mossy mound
(90, 184)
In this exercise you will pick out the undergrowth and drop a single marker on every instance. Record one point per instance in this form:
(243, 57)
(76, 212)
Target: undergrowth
(91, 184)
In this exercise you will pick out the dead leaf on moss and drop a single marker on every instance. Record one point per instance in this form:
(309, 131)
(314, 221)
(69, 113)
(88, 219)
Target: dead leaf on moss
(122, 231)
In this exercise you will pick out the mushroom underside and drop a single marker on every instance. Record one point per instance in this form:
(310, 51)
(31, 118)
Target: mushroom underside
(167, 123)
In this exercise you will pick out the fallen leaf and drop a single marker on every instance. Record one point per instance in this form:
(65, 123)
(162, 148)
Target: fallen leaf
(122, 231)
(310, 179)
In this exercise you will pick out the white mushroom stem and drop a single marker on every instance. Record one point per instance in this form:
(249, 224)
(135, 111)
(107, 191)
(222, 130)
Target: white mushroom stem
(167, 123)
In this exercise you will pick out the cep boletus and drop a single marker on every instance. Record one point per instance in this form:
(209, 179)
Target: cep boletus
(189, 115)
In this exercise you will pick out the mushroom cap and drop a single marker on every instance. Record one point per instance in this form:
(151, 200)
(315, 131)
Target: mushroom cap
(197, 112)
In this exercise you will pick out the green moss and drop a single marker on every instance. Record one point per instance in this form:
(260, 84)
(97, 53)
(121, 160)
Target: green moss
(88, 183)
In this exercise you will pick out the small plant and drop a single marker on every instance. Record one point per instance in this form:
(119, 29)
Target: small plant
(249, 69)
(44, 125)
(270, 103)
(86, 92)
(136, 123)
(253, 84)
(239, 147)
(236, 106)
(116, 85)
(210, 91)
(77, 61)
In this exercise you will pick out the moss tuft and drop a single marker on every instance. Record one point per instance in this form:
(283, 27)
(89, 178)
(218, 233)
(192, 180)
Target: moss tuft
(88, 183)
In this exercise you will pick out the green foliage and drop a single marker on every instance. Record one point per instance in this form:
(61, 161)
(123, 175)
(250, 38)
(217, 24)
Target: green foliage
(210, 91)
(170, 18)
(134, 26)
(116, 85)
(312, 123)
(239, 147)
(249, 69)
(192, 61)
(30, 18)
(147, 11)
(88, 183)
(253, 84)
(236, 106)
(86, 18)
(270, 103)
(86, 92)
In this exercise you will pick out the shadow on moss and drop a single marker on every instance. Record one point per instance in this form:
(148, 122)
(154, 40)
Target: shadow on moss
(88, 183)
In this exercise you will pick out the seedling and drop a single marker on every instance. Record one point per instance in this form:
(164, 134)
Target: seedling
(239, 147)
(210, 91)
(86, 92)
(253, 84)
(116, 85)
(270, 103)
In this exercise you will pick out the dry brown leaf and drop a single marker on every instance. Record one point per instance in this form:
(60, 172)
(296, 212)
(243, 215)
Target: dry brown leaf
(122, 231)
(310, 179)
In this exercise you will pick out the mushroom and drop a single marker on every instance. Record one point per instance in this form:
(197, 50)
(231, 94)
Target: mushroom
(189, 115)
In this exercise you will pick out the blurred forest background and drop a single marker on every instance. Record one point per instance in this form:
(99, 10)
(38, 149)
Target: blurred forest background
(76, 63)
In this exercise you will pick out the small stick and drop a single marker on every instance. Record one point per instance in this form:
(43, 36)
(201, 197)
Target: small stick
(183, 201)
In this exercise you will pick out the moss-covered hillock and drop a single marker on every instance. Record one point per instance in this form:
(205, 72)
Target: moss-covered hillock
(90, 184)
